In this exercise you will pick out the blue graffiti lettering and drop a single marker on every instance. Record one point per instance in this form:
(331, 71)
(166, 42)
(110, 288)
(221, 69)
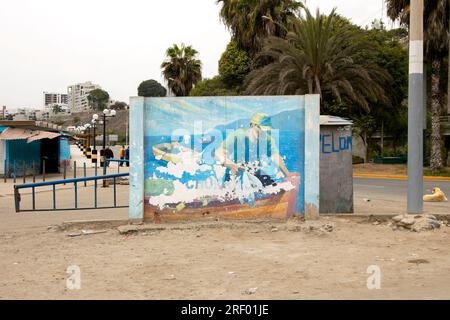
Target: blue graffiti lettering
(325, 144)
(338, 144)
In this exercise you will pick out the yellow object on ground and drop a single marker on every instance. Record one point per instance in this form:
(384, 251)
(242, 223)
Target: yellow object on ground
(181, 206)
(436, 196)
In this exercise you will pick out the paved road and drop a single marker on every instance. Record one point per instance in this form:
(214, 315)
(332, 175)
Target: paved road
(389, 196)
(391, 187)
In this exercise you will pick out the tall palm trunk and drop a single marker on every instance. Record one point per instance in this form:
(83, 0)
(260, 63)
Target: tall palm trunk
(436, 153)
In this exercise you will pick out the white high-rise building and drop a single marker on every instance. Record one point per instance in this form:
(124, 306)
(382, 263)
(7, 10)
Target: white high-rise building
(54, 98)
(78, 96)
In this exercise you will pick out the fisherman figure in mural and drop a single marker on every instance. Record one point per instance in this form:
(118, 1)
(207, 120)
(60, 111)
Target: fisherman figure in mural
(253, 151)
(245, 169)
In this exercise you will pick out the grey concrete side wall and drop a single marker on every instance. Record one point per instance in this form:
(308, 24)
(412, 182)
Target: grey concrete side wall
(336, 173)
(359, 149)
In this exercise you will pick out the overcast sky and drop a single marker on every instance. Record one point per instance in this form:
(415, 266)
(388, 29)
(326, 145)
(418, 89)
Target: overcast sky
(47, 45)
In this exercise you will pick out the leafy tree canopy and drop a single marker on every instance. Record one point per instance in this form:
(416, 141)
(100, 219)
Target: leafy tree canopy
(98, 99)
(119, 105)
(212, 87)
(151, 88)
(320, 56)
(234, 65)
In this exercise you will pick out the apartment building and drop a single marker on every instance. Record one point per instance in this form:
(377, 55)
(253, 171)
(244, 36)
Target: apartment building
(55, 98)
(78, 96)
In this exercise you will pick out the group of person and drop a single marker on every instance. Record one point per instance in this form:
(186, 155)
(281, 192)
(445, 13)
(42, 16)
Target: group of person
(124, 154)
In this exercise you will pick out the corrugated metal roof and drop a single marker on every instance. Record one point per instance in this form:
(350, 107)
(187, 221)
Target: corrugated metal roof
(43, 135)
(16, 134)
(29, 135)
(31, 125)
(334, 121)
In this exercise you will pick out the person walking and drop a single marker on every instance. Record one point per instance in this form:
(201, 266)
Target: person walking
(109, 154)
(127, 155)
(122, 154)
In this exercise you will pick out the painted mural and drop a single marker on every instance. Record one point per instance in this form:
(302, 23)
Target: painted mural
(241, 152)
(241, 155)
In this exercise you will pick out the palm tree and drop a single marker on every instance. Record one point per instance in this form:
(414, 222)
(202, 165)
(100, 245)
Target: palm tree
(181, 69)
(436, 40)
(320, 55)
(250, 21)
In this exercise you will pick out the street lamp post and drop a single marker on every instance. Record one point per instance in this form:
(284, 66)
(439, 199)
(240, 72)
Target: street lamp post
(87, 128)
(94, 126)
(107, 113)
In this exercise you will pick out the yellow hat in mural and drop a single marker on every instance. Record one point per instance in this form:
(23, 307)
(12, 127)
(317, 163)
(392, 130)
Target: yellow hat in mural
(262, 120)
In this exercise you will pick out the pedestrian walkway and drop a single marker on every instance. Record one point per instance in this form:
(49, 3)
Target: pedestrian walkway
(77, 157)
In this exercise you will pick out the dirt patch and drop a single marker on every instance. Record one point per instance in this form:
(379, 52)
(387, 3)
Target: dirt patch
(327, 259)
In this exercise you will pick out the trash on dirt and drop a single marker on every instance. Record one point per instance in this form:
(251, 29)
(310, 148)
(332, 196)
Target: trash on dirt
(53, 228)
(231, 272)
(366, 200)
(416, 223)
(418, 261)
(377, 258)
(251, 291)
(312, 226)
(85, 233)
(170, 277)
(124, 181)
(437, 196)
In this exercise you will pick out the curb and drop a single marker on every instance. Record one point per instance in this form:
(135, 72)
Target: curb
(396, 177)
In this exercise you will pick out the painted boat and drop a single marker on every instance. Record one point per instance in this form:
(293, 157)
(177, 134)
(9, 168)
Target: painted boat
(278, 206)
(173, 152)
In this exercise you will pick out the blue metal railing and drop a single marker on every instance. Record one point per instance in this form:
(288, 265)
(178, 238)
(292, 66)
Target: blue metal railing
(75, 181)
(118, 160)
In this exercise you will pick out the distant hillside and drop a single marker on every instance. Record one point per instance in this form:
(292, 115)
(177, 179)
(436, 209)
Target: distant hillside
(288, 121)
(116, 125)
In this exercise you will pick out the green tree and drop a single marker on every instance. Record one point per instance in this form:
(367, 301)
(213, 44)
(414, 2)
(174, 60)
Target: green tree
(181, 69)
(436, 40)
(76, 120)
(98, 99)
(151, 88)
(320, 55)
(388, 53)
(212, 87)
(234, 66)
(251, 21)
(119, 105)
(56, 109)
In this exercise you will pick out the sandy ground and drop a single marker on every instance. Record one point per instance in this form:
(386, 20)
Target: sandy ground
(225, 259)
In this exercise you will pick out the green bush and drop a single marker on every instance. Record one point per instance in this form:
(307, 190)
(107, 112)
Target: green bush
(357, 160)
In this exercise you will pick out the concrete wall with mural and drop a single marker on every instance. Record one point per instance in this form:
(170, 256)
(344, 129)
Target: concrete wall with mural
(234, 157)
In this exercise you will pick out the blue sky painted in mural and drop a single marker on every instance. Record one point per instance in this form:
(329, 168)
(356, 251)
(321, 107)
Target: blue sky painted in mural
(166, 115)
